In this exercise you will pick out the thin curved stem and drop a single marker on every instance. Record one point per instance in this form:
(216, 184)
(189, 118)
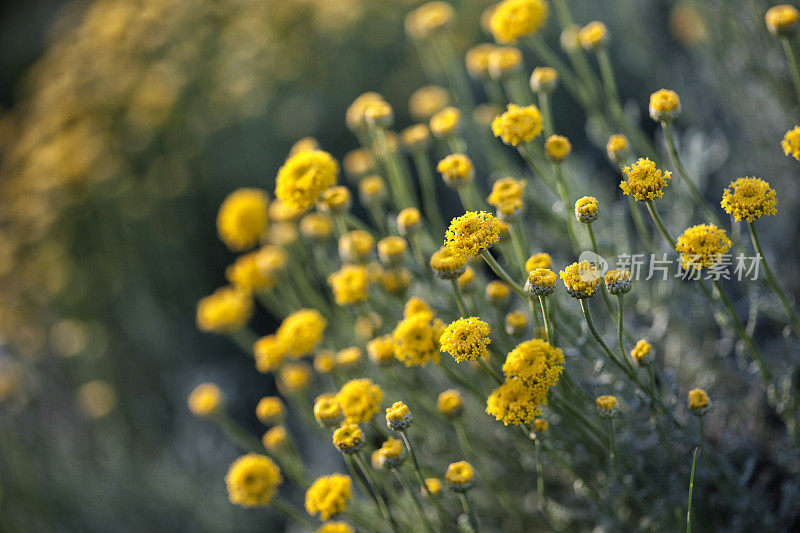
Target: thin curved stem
(691, 490)
(660, 224)
(489, 370)
(291, 513)
(619, 329)
(587, 315)
(468, 510)
(790, 58)
(545, 319)
(501, 273)
(606, 299)
(414, 500)
(377, 494)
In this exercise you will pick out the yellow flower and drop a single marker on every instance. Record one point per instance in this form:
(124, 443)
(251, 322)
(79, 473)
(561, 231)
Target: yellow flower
(540, 260)
(607, 406)
(702, 246)
(781, 19)
(350, 285)
(791, 142)
(450, 403)
(252, 480)
(379, 114)
(749, 199)
(416, 305)
(445, 123)
(569, 39)
(304, 144)
(225, 311)
(557, 148)
(460, 476)
(269, 352)
(269, 410)
(336, 199)
(457, 170)
(335, 527)
(327, 411)
(294, 377)
(408, 221)
(348, 439)
(516, 323)
(544, 80)
(355, 117)
(518, 124)
(644, 180)
(580, 279)
(665, 105)
(472, 233)
(356, 246)
(372, 190)
(514, 403)
(428, 19)
(275, 438)
(447, 265)
(302, 331)
(427, 101)
(316, 226)
(381, 350)
(503, 61)
(593, 36)
(466, 281)
(391, 454)
(642, 354)
(349, 357)
(514, 19)
(328, 496)
(392, 249)
(416, 137)
(324, 362)
(618, 281)
(358, 163)
(587, 209)
(398, 416)
(416, 339)
(360, 400)
(245, 274)
(304, 177)
(497, 293)
(540, 426)
(541, 282)
(271, 260)
(242, 219)
(617, 148)
(205, 400)
(477, 60)
(506, 197)
(699, 404)
(433, 485)
(280, 212)
(466, 339)
(537, 364)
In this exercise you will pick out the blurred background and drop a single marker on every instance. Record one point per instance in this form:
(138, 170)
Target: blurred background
(123, 125)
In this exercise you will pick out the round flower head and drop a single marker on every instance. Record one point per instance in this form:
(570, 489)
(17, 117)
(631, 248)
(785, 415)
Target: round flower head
(348, 357)
(350, 285)
(587, 209)
(354, 118)
(472, 233)
(379, 114)
(304, 144)
(381, 350)
(329, 495)
(275, 439)
(360, 400)
(304, 177)
(457, 170)
(335, 527)
(536, 363)
(749, 199)
(348, 439)
(358, 163)
(336, 199)
(665, 105)
(294, 377)
(327, 411)
(618, 148)
(391, 250)
(316, 226)
(540, 260)
(252, 480)
(498, 293)
(415, 306)
(205, 400)
(324, 362)
(398, 416)
(506, 196)
(513, 403)
(372, 190)
(246, 275)
(514, 19)
(540, 427)
(593, 36)
(269, 410)
(644, 181)
(302, 331)
(460, 476)
(699, 404)
(503, 61)
(356, 246)
(466, 339)
(269, 353)
(416, 138)
(391, 454)
(408, 221)
(467, 279)
(416, 339)
(791, 142)
(541, 282)
(242, 219)
(433, 485)
(618, 281)
(782, 19)
(477, 60)
(569, 39)
(544, 80)
(446, 265)
(446, 123)
(557, 148)
(518, 124)
(280, 212)
(450, 403)
(225, 311)
(428, 19)
(516, 323)
(702, 246)
(643, 354)
(607, 406)
(282, 233)
(580, 279)
(427, 101)
(271, 260)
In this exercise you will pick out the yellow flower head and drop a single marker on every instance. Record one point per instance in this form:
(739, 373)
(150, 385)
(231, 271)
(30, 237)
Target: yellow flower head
(205, 400)
(271, 260)
(791, 142)
(607, 406)
(427, 101)
(593, 36)
(477, 60)
(398, 416)
(355, 116)
(580, 279)
(372, 190)
(324, 362)
(643, 354)
(503, 61)
(506, 196)
(544, 80)
(242, 219)
(433, 485)
(644, 181)
(336, 199)
(360, 400)
(587, 209)
(350, 284)
(702, 246)
(514, 403)
(457, 170)
(275, 438)
(516, 323)
(557, 148)
(450, 403)
(497, 293)
(302, 331)
(246, 275)
(699, 404)
(618, 281)
(280, 212)
(348, 439)
(665, 105)
(282, 233)
(391, 454)
(428, 19)
(252, 480)
(294, 377)
(416, 339)
(358, 163)
(540, 260)
(541, 282)
(408, 221)
(445, 123)
(327, 411)
(356, 246)
(467, 279)
(466, 339)
(269, 410)
(269, 352)
(514, 19)
(328, 496)
(301, 145)
(379, 113)
(348, 357)
(381, 350)
(460, 476)
(472, 233)
(540, 426)
(749, 199)
(618, 148)
(335, 527)
(225, 311)
(518, 124)
(569, 39)
(782, 19)
(304, 177)
(447, 265)
(536, 363)
(416, 305)
(416, 137)
(316, 226)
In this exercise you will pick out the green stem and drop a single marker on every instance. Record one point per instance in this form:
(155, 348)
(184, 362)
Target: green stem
(602, 285)
(373, 487)
(501, 273)
(414, 500)
(587, 315)
(517, 241)
(428, 185)
(787, 48)
(544, 105)
(660, 224)
(539, 475)
(612, 447)
(691, 489)
(462, 307)
(489, 370)
(293, 514)
(414, 461)
(468, 510)
(546, 320)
